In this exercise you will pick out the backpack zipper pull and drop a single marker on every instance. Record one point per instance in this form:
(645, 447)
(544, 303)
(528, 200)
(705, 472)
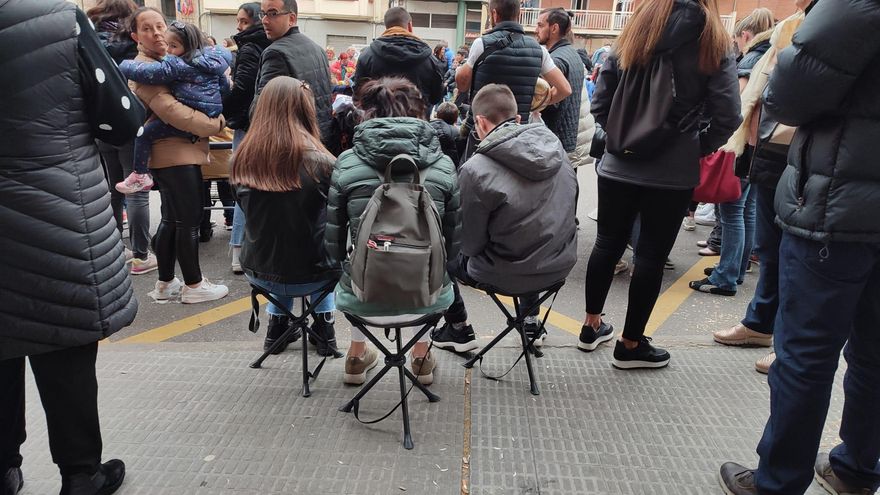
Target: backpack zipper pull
(386, 246)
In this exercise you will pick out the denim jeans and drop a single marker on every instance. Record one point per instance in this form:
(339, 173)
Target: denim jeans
(737, 240)
(828, 294)
(118, 160)
(285, 293)
(761, 313)
(237, 236)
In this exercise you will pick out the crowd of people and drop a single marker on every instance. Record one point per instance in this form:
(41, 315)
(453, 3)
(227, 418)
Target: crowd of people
(126, 101)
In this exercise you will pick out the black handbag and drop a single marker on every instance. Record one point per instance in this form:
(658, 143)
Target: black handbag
(597, 146)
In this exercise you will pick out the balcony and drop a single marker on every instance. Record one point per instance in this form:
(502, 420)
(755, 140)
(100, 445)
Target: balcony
(600, 22)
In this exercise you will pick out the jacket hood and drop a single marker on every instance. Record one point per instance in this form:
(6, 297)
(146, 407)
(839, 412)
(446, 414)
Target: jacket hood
(377, 141)
(401, 49)
(532, 151)
(760, 42)
(255, 34)
(685, 24)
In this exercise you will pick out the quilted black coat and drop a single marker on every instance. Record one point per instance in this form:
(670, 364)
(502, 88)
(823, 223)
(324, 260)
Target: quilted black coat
(63, 281)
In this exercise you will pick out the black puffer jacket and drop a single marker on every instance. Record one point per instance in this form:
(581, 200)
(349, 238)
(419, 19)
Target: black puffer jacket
(827, 83)
(284, 231)
(64, 282)
(236, 106)
(404, 56)
(517, 65)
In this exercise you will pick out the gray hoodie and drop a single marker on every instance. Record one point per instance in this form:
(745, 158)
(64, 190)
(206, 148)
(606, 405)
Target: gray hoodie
(518, 195)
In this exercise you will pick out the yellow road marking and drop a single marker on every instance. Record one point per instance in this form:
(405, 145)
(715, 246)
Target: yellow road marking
(673, 297)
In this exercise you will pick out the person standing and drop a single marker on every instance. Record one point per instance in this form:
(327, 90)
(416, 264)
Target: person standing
(562, 118)
(657, 189)
(827, 204)
(251, 41)
(399, 52)
(65, 285)
(294, 54)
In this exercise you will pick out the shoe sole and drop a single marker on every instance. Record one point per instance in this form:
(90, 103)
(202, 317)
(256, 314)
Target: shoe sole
(170, 297)
(762, 370)
(708, 255)
(425, 379)
(184, 300)
(592, 347)
(141, 272)
(752, 341)
(237, 271)
(705, 223)
(824, 484)
(724, 485)
(470, 346)
(633, 365)
(358, 378)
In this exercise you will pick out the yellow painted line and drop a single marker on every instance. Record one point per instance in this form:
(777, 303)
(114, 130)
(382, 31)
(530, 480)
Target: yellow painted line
(190, 323)
(558, 320)
(673, 297)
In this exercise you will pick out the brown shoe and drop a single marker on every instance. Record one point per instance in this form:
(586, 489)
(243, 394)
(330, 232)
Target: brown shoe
(831, 483)
(356, 367)
(423, 368)
(742, 335)
(763, 365)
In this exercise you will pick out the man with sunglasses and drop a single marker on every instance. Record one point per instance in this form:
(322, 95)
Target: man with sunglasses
(294, 54)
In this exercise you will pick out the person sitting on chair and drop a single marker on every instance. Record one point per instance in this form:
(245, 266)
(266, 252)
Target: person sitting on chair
(393, 124)
(281, 173)
(518, 207)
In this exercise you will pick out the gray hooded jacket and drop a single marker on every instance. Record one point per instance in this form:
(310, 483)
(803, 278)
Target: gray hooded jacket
(518, 195)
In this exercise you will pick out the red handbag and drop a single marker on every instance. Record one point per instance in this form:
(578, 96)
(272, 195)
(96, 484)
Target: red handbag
(718, 184)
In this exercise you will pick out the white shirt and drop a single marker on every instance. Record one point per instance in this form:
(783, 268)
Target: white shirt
(547, 63)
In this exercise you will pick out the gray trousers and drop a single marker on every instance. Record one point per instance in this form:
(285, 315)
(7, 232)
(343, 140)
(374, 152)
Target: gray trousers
(119, 162)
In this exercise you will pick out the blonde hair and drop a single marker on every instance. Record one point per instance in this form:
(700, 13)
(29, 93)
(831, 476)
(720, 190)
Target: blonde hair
(760, 20)
(636, 44)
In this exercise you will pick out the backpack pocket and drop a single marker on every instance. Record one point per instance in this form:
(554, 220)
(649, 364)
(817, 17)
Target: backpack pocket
(391, 269)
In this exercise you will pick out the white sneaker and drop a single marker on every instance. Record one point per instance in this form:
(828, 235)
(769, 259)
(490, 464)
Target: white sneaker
(236, 260)
(129, 255)
(204, 292)
(689, 224)
(165, 291)
(705, 215)
(140, 267)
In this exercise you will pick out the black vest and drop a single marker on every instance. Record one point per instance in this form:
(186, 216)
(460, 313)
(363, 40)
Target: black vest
(518, 65)
(563, 118)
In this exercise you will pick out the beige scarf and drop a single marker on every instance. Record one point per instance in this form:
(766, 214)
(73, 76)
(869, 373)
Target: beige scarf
(754, 90)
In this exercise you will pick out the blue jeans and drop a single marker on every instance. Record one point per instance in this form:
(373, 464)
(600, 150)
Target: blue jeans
(828, 294)
(761, 313)
(237, 236)
(154, 130)
(737, 240)
(285, 293)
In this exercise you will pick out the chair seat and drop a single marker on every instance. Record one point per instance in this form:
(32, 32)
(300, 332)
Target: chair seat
(495, 290)
(393, 321)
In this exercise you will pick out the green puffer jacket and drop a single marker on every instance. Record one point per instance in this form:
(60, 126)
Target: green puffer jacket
(355, 177)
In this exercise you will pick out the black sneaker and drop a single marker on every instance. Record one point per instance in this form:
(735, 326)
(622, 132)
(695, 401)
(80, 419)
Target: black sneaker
(591, 338)
(461, 340)
(278, 324)
(105, 481)
(533, 330)
(12, 481)
(643, 356)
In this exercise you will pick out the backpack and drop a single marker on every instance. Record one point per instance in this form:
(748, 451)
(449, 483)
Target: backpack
(638, 119)
(399, 257)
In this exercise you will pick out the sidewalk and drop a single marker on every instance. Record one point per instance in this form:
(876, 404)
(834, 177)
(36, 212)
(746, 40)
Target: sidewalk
(193, 418)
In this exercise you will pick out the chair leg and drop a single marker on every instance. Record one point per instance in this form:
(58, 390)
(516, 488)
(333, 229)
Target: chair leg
(472, 361)
(432, 397)
(404, 407)
(533, 384)
(278, 343)
(366, 388)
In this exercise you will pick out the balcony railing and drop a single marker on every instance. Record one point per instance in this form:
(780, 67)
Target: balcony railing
(600, 21)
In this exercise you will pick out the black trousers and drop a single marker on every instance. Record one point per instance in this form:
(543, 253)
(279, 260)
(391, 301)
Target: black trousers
(69, 393)
(661, 211)
(177, 238)
(457, 312)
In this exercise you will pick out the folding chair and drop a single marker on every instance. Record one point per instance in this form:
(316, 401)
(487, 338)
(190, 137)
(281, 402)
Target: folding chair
(516, 321)
(296, 322)
(396, 359)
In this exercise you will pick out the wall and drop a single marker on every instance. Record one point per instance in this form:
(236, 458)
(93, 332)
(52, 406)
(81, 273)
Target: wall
(223, 26)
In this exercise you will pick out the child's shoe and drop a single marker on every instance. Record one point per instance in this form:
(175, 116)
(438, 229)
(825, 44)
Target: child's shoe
(135, 182)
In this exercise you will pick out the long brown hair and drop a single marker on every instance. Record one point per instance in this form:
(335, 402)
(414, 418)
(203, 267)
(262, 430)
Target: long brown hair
(111, 10)
(283, 128)
(645, 28)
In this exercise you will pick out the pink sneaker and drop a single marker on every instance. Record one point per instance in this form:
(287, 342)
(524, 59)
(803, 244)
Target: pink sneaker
(135, 182)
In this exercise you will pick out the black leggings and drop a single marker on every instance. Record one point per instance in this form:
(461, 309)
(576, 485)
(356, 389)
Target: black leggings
(177, 238)
(661, 211)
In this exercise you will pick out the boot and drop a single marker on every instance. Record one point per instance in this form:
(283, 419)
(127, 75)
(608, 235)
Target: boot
(278, 324)
(323, 326)
(105, 481)
(12, 481)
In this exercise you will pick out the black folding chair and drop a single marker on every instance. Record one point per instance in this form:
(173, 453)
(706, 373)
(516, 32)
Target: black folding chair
(395, 359)
(300, 322)
(516, 322)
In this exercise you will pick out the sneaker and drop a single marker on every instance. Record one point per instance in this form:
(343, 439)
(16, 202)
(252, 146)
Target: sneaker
(710, 269)
(705, 215)
(668, 265)
(142, 266)
(689, 224)
(165, 291)
(356, 367)
(702, 244)
(737, 480)
(135, 182)
(708, 287)
(461, 340)
(742, 335)
(591, 338)
(236, 260)
(533, 330)
(707, 251)
(621, 267)
(129, 255)
(763, 365)
(831, 483)
(105, 481)
(643, 356)
(12, 481)
(204, 292)
(423, 368)
(227, 224)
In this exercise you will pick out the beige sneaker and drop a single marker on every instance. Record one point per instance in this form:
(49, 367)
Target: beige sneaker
(423, 368)
(742, 335)
(621, 267)
(356, 367)
(763, 365)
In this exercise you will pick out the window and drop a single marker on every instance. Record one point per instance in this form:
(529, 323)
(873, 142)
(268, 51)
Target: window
(444, 21)
(580, 4)
(169, 9)
(421, 20)
(341, 42)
